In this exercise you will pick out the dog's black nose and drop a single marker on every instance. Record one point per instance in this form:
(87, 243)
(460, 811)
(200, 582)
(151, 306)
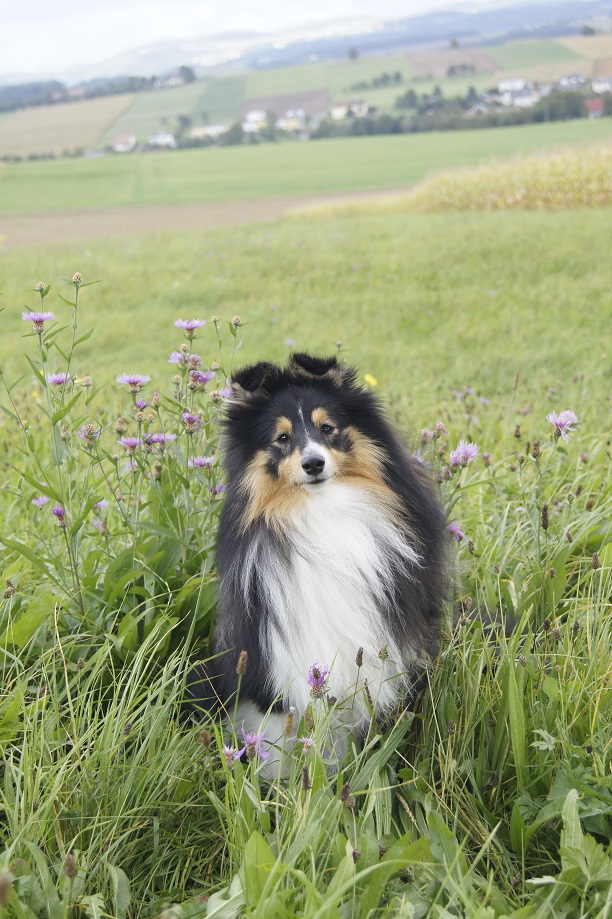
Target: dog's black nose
(313, 465)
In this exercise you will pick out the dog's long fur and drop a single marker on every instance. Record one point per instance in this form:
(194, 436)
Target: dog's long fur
(331, 539)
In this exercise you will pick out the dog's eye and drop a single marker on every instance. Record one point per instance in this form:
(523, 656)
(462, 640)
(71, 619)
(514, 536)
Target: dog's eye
(282, 438)
(327, 429)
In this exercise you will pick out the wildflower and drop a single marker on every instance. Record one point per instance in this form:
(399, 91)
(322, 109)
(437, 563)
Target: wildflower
(89, 433)
(38, 319)
(40, 286)
(471, 546)
(456, 532)
(243, 660)
(418, 456)
(226, 393)
(58, 511)
(216, 489)
(155, 400)
(563, 422)
(289, 723)
(159, 439)
(236, 321)
(77, 277)
(189, 326)
(192, 422)
(346, 796)
(57, 379)
(486, 459)
(9, 590)
(464, 453)
(100, 506)
(317, 678)
(427, 435)
(85, 381)
(201, 462)
(201, 377)
(140, 404)
(359, 658)
(253, 745)
(182, 357)
(306, 782)
(544, 517)
(290, 342)
(134, 380)
(440, 429)
(370, 380)
(595, 563)
(40, 500)
(130, 443)
(307, 743)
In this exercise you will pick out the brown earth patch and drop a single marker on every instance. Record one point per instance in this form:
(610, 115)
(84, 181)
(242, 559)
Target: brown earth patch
(53, 129)
(603, 67)
(435, 65)
(46, 227)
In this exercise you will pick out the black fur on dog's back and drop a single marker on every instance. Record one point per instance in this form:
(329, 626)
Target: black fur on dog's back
(263, 393)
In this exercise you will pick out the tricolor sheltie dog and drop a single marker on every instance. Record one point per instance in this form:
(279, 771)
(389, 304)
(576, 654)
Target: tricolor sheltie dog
(331, 551)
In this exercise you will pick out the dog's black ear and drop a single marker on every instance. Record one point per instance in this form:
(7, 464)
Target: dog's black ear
(306, 366)
(249, 380)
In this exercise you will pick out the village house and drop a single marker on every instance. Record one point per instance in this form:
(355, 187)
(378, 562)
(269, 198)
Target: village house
(356, 107)
(123, 143)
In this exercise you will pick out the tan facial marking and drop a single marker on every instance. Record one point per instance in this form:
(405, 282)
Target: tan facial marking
(284, 426)
(272, 498)
(319, 416)
(363, 466)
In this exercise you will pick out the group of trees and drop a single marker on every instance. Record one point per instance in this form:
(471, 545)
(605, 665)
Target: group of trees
(50, 92)
(385, 79)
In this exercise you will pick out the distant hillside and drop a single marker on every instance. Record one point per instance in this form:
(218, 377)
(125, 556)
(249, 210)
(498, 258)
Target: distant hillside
(377, 81)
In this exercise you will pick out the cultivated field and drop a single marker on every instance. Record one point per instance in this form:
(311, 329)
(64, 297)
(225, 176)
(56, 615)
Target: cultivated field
(57, 129)
(324, 167)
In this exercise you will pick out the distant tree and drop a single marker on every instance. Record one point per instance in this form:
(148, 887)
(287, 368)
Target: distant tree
(588, 30)
(472, 96)
(408, 100)
(437, 93)
(454, 43)
(234, 135)
(397, 77)
(187, 74)
(353, 53)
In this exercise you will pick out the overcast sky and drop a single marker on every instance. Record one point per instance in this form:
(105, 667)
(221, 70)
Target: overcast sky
(43, 35)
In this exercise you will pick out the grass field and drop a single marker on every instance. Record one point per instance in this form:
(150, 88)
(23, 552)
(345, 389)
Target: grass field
(282, 169)
(154, 111)
(517, 54)
(57, 129)
(494, 802)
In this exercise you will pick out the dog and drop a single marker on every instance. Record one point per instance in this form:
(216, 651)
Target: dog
(331, 552)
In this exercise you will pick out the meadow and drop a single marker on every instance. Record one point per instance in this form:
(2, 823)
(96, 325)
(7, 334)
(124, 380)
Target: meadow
(494, 798)
(259, 171)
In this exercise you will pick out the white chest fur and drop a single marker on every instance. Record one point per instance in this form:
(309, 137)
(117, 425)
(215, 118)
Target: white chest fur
(329, 600)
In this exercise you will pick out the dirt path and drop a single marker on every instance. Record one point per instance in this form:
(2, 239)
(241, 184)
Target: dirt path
(43, 227)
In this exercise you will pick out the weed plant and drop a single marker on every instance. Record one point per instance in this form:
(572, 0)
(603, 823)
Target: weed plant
(492, 799)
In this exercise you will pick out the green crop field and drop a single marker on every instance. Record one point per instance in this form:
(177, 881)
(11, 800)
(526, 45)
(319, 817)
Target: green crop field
(512, 55)
(279, 169)
(155, 111)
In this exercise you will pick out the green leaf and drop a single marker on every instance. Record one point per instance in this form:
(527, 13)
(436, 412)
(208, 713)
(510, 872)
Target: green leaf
(57, 447)
(517, 830)
(36, 371)
(122, 896)
(60, 413)
(28, 553)
(257, 865)
(94, 906)
(19, 632)
(517, 726)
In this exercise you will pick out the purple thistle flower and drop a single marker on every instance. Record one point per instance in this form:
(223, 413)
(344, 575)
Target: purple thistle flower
(159, 439)
(202, 376)
(564, 422)
(226, 393)
(216, 489)
(189, 326)
(231, 754)
(100, 505)
(317, 678)
(58, 511)
(40, 500)
(418, 456)
(456, 532)
(134, 380)
(38, 319)
(253, 745)
(141, 404)
(130, 443)
(202, 462)
(89, 433)
(464, 453)
(308, 743)
(57, 379)
(192, 422)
